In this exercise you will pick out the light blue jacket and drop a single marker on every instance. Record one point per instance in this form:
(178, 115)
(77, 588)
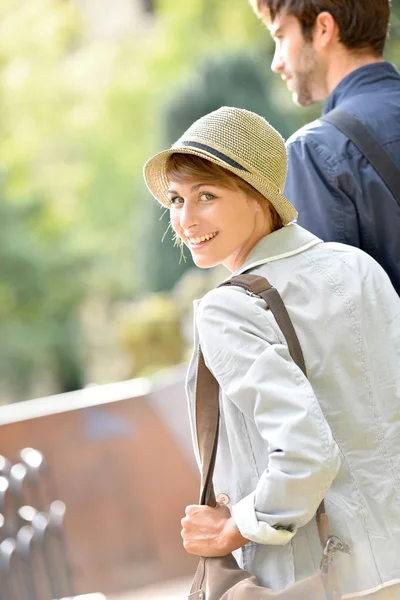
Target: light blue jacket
(287, 441)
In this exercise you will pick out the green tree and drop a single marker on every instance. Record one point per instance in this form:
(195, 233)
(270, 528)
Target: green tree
(68, 147)
(38, 313)
(392, 52)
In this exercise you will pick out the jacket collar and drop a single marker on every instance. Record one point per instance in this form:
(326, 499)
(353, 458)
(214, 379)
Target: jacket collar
(362, 80)
(287, 241)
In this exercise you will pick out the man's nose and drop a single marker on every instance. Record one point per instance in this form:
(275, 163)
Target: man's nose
(277, 62)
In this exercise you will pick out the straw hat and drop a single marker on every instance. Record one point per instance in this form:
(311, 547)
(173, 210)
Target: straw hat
(237, 140)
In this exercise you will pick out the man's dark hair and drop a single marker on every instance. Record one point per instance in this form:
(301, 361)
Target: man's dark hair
(363, 24)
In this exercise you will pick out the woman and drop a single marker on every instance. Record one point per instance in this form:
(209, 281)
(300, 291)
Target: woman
(286, 441)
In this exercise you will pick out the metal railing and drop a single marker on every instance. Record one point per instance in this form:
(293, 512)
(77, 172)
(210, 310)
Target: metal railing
(34, 562)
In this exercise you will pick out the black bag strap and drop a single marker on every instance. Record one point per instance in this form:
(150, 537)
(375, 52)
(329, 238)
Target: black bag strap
(207, 391)
(368, 145)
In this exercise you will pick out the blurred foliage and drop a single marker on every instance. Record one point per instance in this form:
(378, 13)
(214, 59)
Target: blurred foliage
(77, 121)
(392, 52)
(37, 322)
(157, 330)
(151, 334)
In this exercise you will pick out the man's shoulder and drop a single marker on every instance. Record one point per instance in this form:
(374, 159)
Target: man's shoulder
(317, 141)
(378, 110)
(312, 132)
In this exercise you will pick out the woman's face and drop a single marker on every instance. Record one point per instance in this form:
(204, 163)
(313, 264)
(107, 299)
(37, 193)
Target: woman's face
(218, 225)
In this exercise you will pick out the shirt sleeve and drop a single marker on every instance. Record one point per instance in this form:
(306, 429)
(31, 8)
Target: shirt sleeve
(257, 374)
(322, 193)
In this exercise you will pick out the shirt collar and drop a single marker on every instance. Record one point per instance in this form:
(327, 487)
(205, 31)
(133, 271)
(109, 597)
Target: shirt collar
(287, 241)
(363, 80)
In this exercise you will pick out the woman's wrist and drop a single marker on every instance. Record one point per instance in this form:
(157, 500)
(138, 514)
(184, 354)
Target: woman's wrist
(232, 539)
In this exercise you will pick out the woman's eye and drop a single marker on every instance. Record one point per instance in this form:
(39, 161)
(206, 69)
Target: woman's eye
(207, 196)
(176, 200)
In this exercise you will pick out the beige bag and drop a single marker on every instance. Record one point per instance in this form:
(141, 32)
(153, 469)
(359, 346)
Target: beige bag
(221, 578)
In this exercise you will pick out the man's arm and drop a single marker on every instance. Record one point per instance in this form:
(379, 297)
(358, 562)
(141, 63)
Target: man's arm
(321, 193)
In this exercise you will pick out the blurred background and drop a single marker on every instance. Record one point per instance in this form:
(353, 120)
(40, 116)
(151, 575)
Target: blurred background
(95, 300)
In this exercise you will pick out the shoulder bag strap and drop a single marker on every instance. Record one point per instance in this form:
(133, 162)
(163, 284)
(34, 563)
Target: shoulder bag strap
(368, 145)
(207, 390)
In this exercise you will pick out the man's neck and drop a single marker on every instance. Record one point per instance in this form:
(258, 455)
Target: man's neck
(345, 63)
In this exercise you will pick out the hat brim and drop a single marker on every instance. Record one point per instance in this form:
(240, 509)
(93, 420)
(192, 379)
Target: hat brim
(155, 176)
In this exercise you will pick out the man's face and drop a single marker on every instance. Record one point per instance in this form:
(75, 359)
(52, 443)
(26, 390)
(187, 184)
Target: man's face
(297, 61)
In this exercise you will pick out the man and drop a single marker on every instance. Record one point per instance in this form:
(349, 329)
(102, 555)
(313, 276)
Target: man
(332, 50)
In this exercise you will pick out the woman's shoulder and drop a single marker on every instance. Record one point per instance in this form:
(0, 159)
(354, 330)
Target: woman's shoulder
(222, 300)
(354, 263)
(230, 309)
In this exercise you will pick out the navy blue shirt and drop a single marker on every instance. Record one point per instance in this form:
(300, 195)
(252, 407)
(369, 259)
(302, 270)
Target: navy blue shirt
(338, 194)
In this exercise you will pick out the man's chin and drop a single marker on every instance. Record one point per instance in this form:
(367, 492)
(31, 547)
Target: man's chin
(301, 100)
(295, 99)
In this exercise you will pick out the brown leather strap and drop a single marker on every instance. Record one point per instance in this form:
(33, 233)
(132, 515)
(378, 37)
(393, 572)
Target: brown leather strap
(207, 420)
(260, 286)
(207, 391)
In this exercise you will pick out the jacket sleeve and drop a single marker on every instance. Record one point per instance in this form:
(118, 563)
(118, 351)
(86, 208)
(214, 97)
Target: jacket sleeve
(322, 192)
(257, 374)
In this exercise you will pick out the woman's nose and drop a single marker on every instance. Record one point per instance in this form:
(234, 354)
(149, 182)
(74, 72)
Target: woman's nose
(188, 216)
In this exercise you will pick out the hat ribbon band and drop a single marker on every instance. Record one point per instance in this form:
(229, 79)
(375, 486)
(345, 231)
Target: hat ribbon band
(226, 159)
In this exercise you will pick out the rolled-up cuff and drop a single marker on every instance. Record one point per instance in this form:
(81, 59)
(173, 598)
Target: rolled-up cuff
(244, 515)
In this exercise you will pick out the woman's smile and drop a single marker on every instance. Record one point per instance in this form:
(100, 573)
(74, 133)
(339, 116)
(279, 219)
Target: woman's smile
(199, 241)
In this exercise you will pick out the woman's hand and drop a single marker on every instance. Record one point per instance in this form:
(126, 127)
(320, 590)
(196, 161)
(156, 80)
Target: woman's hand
(210, 531)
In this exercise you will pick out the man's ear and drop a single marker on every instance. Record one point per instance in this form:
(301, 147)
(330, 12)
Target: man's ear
(325, 30)
(258, 8)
